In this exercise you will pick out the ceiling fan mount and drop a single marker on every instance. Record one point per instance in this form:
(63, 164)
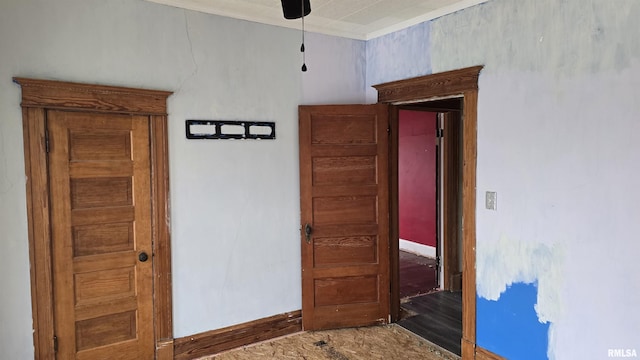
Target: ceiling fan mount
(292, 9)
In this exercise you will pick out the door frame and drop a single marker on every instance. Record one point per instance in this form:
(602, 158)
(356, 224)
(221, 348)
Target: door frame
(38, 96)
(462, 83)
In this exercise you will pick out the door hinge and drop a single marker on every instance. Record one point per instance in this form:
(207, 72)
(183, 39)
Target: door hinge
(46, 140)
(55, 343)
(439, 133)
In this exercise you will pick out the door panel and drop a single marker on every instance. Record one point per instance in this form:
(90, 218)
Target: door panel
(100, 216)
(344, 199)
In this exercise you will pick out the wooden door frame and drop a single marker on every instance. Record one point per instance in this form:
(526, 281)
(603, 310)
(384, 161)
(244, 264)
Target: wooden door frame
(461, 83)
(450, 198)
(38, 96)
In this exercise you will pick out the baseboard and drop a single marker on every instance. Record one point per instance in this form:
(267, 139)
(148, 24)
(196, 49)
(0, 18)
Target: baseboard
(419, 249)
(484, 354)
(215, 341)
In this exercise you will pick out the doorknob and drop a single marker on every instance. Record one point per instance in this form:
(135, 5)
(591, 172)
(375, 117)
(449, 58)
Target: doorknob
(307, 232)
(143, 256)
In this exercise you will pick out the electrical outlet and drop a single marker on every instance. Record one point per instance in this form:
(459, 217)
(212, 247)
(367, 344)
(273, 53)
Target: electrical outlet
(491, 200)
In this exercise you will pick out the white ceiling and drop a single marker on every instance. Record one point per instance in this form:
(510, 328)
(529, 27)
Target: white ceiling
(356, 19)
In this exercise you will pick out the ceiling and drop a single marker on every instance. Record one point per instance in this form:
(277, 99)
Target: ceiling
(355, 19)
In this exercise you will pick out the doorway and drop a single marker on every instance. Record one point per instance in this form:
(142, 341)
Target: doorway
(459, 84)
(418, 212)
(97, 201)
(429, 187)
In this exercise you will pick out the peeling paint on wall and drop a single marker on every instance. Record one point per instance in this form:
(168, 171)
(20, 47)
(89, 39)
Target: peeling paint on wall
(509, 325)
(507, 265)
(557, 139)
(503, 263)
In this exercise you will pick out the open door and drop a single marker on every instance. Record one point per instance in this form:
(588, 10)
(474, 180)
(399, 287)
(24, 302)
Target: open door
(344, 196)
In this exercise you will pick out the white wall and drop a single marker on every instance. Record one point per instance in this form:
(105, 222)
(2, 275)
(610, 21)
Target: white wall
(331, 60)
(235, 204)
(558, 141)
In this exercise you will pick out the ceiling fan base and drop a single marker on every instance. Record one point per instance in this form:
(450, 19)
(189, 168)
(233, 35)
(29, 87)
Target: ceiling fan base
(292, 9)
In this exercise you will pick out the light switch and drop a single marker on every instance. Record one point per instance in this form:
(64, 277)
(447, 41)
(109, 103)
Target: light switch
(491, 200)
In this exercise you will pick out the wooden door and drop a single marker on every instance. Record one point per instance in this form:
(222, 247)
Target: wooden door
(345, 215)
(99, 173)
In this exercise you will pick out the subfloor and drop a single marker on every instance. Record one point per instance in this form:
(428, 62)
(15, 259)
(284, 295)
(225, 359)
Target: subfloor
(428, 320)
(375, 342)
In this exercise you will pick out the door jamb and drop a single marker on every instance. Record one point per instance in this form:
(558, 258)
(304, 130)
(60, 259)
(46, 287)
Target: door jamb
(38, 96)
(457, 83)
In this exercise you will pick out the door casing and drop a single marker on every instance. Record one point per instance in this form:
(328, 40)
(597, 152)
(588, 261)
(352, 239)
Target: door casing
(38, 96)
(462, 83)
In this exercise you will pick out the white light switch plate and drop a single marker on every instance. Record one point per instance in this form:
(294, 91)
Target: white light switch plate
(491, 200)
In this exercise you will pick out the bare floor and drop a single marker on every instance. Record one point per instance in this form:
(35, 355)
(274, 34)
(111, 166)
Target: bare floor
(376, 342)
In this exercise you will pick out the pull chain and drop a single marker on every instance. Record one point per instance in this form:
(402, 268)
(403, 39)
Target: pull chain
(304, 63)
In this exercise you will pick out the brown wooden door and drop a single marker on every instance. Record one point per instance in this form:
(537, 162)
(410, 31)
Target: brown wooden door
(99, 171)
(345, 202)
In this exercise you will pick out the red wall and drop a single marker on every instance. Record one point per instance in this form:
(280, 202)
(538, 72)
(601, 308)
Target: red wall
(417, 176)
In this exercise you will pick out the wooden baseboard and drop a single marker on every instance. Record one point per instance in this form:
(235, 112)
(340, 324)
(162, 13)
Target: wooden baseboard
(483, 354)
(213, 342)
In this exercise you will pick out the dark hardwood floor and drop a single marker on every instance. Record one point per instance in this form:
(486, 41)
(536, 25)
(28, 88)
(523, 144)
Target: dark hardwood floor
(417, 274)
(433, 315)
(438, 318)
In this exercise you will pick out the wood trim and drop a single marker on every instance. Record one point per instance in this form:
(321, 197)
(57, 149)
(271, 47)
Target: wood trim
(463, 83)
(429, 86)
(483, 354)
(213, 342)
(39, 232)
(468, 349)
(72, 96)
(469, 155)
(160, 221)
(164, 350)
(38, 96)
(394, 220)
